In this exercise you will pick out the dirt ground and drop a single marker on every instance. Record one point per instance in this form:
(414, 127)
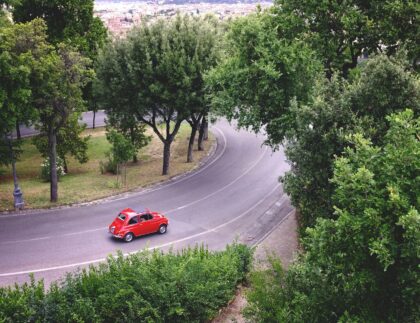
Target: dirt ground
(282, 242)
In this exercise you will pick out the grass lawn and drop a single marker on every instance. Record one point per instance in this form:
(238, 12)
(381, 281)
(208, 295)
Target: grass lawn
(84, 182)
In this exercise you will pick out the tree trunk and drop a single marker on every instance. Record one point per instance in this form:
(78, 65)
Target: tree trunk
(191, 143)
(52, 141)
(94, 118)
(206, 128)
(133, 142)
(17, 130)
(166, 156)
(203, 133)
(66, 170)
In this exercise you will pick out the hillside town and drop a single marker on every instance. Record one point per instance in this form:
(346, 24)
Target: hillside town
(121, 16)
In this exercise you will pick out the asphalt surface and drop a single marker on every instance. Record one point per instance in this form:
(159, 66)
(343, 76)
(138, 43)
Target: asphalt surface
(231, 197)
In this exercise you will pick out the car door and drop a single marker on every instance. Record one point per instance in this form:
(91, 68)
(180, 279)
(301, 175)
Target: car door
(133, 225)
(149, 224)
(144, 224)
(153, 222)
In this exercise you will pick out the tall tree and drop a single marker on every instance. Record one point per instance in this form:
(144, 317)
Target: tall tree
(204, 36)
(385, 85)
(20, 47)
(56, 94)
(341, 31)
(69, 142)
(361, 266)
(151, 74)
(68, 21)
(71, 22)
(260, 76)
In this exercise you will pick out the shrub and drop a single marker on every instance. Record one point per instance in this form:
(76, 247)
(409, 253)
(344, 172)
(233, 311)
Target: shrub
(45, 169)
(190, 285)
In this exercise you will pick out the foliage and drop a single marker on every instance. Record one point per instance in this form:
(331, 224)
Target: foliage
(57, 79)
(46, 169)
(341, 31)
(19, 47)
(69, 21)
(338, 109)
(152, 75)
(131, 129)
(69, 141)
(260, 76)
(121, 151)
(363, 265)
(149, 287)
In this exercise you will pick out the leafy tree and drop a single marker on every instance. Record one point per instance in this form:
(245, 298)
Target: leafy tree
(68, 21)
(69, 142)
(261, 75)
(132, 130)
(341, 31)
(152, 76)
(122, 149)
(56, 94)
(363, 265)
(204, 35)
(20, 45)
(337, 109)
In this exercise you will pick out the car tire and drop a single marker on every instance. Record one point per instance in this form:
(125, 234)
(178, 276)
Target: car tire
(162, 229)
(128, 237)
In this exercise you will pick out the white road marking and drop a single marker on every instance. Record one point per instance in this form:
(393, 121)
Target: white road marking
(168, 211)
(147, 191)
(152, 248)
(220, 189)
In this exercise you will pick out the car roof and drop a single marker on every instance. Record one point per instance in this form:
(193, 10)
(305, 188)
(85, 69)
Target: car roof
(130, 212)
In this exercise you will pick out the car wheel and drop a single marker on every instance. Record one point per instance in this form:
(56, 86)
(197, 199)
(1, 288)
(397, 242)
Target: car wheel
(162, 229)
(128, 237)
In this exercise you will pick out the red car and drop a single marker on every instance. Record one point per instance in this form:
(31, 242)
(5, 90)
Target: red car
(129, 224)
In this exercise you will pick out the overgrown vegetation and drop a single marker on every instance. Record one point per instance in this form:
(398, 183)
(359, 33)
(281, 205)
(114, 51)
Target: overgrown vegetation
(358, 198)
(361, 266)
(189, 286)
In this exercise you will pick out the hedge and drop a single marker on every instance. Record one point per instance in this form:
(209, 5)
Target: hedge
(150, 286)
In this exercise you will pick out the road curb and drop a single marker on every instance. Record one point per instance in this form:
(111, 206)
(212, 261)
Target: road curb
(142, 190)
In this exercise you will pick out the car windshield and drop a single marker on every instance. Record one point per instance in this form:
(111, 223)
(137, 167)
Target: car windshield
(121, 216)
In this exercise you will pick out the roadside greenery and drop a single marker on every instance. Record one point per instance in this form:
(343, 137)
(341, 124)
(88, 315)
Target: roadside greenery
(188, 286)
(84, 182)
(339, 108)
(361, 266)
(155, 76)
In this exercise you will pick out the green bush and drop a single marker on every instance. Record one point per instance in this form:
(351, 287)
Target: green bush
(190, 285)
(45, 169)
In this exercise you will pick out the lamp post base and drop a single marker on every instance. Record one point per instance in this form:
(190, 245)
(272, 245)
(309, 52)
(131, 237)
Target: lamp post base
(18, 197)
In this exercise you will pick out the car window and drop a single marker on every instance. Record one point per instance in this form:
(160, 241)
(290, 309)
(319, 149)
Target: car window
(145, 217)
(121, 217)
(133, 220)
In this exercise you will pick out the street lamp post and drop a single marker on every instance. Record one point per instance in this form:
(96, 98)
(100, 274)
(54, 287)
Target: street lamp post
(17, 193)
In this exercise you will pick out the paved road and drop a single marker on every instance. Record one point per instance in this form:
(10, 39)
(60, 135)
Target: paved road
(230, 198)
(87, 118)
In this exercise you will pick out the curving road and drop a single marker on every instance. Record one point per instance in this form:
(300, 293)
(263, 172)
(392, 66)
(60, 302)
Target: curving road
(231, 197)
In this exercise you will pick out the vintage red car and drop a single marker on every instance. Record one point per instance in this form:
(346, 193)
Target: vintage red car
(129, 224)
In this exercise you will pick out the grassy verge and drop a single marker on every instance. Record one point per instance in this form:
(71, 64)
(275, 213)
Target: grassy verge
(84, 182)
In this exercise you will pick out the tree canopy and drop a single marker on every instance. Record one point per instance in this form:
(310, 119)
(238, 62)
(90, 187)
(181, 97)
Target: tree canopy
(260, 76)
(339, 108)
(363, 265)
(68, 21)
(154, 75)
(341, 31)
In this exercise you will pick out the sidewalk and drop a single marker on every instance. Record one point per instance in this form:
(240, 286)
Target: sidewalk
(283, 243)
